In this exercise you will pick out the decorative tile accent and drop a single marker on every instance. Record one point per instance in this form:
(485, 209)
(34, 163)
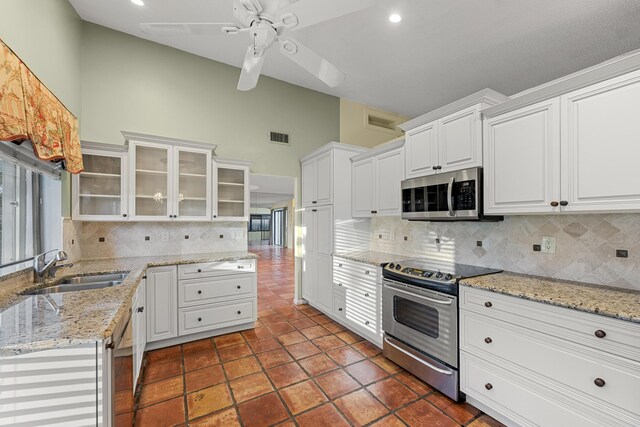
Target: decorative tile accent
(129, 239)
(585, 246)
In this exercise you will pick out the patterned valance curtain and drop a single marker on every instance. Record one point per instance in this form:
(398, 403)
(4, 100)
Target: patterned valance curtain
(28, 110)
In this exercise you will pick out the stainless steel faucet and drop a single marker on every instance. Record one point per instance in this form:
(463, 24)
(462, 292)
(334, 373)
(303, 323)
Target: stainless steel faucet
(42, 268)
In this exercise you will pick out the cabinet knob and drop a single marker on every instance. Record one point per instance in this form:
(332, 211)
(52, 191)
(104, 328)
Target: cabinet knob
(239, 287)
(366, 323)
(435, 168)
(340, 284)
(366, 272)
(438, 167)
(564, 203)
(239, 312)
(314, 210)
(600, 333)
(374, 212)
(367, 294)
(124, 215)
(488, 340)
(199, 270)
(314, 202)
(340, 309)
(488, 304)
(339, 265)
(599, 382)
(199, 319)
(215, 216)
(554, 204)
(140, 309)
(199, 292)
(488, 386)
(110, 346)
(144, 277)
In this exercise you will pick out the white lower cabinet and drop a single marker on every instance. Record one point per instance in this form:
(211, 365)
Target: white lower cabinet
(139, 330)
(317, 224)
(357, 298)
(213, 316)
(543, 370)
(162, 303)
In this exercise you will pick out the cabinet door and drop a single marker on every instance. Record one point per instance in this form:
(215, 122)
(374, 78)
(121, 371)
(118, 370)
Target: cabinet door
(162, 303)
(309, 183)
(323, 230)
(100, 192)
(324, 287)
(421, 151)
(389, 175)
(309, 255)
(139, 319)
(522, 160)
(324, 179)
(460, 140)
(192, 198)
(362, 195)
(231, 196)
(151, 181)
(601, 146)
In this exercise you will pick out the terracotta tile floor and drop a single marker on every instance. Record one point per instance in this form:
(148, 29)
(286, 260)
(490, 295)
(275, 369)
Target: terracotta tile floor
(296, 368)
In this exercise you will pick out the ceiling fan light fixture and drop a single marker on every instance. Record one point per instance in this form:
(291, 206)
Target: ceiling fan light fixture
(137, 2)
(395, 18)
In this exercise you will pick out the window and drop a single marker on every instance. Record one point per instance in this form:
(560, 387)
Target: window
(260, 223)
(31, 220)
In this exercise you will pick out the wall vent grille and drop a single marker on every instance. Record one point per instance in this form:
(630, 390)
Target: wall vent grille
(279, 138)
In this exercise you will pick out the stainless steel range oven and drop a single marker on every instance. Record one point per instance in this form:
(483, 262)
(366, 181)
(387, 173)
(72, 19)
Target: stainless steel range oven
(420, 319)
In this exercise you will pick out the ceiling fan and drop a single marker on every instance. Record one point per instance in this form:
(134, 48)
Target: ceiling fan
(269, 22)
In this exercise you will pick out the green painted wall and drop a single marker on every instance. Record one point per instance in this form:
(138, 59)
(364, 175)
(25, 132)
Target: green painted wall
(46, 35)
(136, 85)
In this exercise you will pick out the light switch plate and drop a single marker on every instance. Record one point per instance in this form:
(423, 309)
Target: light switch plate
(385, 235)
(549, 245)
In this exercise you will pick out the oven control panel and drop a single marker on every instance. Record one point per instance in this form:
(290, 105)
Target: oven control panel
(416, 272)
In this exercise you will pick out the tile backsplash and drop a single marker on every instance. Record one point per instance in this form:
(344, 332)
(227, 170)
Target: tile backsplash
(130, 239)
(585, 245)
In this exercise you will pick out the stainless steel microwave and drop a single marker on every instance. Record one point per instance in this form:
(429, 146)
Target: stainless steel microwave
(449, 196)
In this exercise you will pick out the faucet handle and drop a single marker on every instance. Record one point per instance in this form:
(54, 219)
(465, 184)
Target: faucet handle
(61, 256)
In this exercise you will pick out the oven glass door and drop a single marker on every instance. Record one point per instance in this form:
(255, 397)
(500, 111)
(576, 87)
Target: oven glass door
(424, 319)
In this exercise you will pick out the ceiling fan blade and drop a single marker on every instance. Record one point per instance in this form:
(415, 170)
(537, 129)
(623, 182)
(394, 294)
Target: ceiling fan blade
(312, 62)
(251, 69)
(170, 29)
(311, 12)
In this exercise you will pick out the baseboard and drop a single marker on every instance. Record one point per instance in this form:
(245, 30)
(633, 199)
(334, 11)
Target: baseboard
(198, 336)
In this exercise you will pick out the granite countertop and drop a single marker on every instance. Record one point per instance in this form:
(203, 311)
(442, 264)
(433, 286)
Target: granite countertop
(39, 322)
(623, 304)
(370, 257)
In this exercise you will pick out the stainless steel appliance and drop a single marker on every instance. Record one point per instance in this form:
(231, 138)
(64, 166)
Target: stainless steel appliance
(450, 196)
(420, 318)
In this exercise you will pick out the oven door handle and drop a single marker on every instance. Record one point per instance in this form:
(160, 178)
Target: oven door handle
(424, 362)
(435, 301)
(450, 196)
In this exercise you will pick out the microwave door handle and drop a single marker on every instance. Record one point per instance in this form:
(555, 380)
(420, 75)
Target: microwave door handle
(435, 301)
(450, 196)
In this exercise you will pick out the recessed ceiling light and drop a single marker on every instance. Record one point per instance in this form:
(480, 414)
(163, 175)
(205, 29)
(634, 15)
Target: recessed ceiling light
(395, 18)
(138, 2)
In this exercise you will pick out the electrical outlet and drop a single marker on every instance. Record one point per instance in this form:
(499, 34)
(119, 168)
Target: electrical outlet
(385, 235)
(165, 237)
(549, 245)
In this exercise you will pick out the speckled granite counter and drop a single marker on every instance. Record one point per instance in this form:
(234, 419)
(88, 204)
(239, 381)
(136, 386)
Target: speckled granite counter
(40, 322)
(370, 257)
(607, 301)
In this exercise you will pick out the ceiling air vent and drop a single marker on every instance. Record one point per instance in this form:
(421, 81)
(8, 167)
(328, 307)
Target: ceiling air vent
(279, 138)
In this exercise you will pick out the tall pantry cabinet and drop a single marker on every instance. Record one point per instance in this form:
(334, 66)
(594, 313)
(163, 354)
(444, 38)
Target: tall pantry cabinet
(327, 225)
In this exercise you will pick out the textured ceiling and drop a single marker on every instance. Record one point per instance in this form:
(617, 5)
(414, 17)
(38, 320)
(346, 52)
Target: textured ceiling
(442, 50)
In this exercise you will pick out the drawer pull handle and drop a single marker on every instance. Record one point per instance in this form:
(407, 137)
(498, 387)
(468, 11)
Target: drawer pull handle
(239, 287)
(599, 382)
(199, 270)
(488, 304)
(340, 309)
(488, 386)
(140, 309)
(339, 265)
(366, 272)
(366, 323)
(488, 340)
(199, 292)
(199, 319)
(240, 267)
(239, 312)
(366, 295)
(339, 284)
(600, 333)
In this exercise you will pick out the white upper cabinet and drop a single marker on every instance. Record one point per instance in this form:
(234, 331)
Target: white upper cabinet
(421, 151)
(169, 182)
(231, 190)
(601, 146)
(317, 180)
(376, 179)
(571, 153)
(460, 140)
(449, 138)
(522, 160)
(100, 192)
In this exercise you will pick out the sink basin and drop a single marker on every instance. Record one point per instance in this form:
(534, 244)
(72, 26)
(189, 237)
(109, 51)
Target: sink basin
(82, 283)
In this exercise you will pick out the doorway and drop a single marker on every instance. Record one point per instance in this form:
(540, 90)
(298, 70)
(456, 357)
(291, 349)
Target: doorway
(279, 227)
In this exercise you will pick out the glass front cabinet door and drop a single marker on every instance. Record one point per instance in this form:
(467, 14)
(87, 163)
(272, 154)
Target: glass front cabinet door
(231, 191)
(169, 182)
(100, 192)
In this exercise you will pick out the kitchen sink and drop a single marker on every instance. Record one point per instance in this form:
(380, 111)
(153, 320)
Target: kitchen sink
(82, 283)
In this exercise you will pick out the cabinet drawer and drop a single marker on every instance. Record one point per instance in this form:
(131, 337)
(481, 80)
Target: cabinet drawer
(215, 316)
(339, 307)
(356, 269)
(517, 398)
(620, 338)
(565, 363)
(204, 291)
(212, 269)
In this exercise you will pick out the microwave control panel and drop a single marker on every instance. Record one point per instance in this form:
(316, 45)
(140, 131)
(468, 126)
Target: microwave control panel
(464, 195)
